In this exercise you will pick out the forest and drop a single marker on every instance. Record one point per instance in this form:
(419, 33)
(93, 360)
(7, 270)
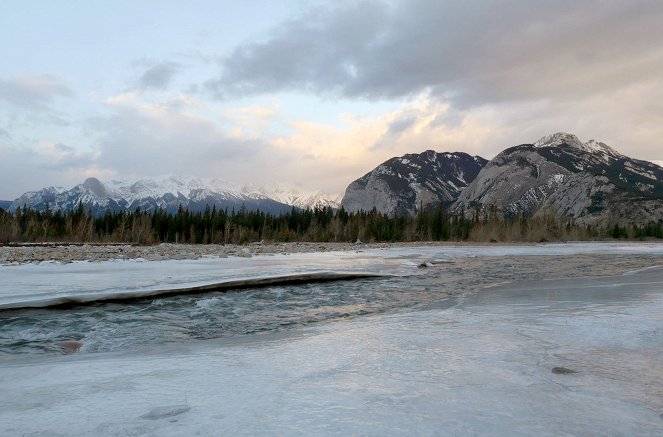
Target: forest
(314, 225)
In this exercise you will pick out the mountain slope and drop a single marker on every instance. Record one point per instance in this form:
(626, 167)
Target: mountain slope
(560, 175)
(295, 197)
(401, 185)
(167, 193)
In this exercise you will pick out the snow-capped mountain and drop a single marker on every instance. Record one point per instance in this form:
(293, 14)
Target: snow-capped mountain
(559, 174)
(295, 197)
(402, 184)
(169, 193)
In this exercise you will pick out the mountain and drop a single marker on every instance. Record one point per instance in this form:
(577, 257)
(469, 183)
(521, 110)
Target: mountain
(400, 185)
(168, 193)
(295, 197)
(589, 182)
(5, 204)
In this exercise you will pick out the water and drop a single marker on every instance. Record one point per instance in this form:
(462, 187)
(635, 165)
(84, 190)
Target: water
(135, 324)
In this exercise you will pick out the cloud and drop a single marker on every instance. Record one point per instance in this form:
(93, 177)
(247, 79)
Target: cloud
(159, 76)
(470, 75)
(401, 124)
(469, 52)
(32, 92)
(44, 165)
(59, 156)
(336, 154)
(151, 139)
(259, 145)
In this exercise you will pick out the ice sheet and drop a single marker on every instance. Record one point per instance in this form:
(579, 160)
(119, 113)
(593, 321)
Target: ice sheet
(482, 365)
(53, 283)
(45, 284)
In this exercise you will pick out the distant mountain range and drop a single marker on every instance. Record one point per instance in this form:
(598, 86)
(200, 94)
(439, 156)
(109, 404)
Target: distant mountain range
(559, 175)
(588, 182)
(169, 193)
(5, 204)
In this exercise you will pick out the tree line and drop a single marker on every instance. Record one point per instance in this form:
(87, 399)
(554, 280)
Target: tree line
(216, 226)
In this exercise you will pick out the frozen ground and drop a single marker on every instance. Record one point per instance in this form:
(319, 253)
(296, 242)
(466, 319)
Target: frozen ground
(473, 363)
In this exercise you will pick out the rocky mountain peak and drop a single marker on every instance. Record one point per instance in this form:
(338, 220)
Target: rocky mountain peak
(559, 174)
(402, 185)
(563, 138)
(95, 186)
(558, 139)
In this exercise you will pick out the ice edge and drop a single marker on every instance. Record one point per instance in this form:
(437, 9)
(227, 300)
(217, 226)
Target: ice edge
(226, 285)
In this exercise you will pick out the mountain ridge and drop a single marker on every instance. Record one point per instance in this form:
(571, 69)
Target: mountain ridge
(590, 183)
(560, 175)
(169, 193)
(401, 185)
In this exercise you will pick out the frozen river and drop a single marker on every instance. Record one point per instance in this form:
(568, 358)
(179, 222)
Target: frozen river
(462, 347)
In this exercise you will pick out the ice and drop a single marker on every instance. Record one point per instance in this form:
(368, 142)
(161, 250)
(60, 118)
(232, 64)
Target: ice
(481, 364)
(45, 284)
(167, 411)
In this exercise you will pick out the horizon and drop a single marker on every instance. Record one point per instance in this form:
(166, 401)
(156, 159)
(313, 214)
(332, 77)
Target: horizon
(278, 185)
(307, 93)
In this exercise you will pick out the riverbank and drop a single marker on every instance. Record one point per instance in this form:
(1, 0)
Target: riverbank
(66, 253)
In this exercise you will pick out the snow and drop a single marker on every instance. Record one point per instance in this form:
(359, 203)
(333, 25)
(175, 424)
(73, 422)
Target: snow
(557, 139)
(478, 365)
(293, 196)
(382, 169)
(132, 190)
(555, 179)
(639, 170)
(591, 146)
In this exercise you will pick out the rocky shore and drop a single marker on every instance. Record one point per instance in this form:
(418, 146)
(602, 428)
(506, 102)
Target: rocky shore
(66, 253)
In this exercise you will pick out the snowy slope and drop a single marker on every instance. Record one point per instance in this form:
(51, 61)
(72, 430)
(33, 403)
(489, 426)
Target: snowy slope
(293, 196)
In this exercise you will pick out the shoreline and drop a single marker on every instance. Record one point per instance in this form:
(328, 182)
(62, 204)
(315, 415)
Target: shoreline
(97, 252)
(65, 253)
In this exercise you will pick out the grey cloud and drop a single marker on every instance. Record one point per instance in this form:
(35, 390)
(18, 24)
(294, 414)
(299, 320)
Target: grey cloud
(132, 141)
(318, 51)
(32, 91)
(33, 168)
(401, 125)
(471, 52)
(159, 76)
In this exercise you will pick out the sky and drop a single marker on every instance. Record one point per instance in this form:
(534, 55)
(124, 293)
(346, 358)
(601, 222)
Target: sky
(313, 94)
